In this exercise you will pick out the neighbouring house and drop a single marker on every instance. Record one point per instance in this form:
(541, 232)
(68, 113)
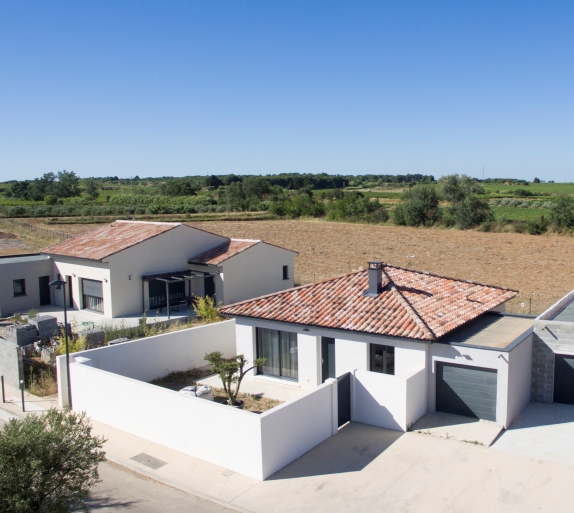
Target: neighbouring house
(24, 283)
(413, 342)
(126, 268)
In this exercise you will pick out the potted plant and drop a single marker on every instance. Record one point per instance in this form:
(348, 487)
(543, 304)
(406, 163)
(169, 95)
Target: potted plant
(231, 371)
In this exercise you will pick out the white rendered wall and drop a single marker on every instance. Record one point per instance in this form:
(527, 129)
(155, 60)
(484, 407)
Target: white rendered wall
(245, 337)
(379, 400)
(290, 430)
(410, 357)
(475, 358)
(309, 360)
(255, 272)
(166, 252)
(254, 445)
(30, 271)
(350, 355)
(204, 429)
(154, 357)
(79, 268)
(416, 396)
(519, 379)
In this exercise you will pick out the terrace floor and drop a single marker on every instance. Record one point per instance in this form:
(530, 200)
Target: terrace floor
(86, 318)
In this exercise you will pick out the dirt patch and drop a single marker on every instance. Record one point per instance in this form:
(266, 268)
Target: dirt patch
(4, 235)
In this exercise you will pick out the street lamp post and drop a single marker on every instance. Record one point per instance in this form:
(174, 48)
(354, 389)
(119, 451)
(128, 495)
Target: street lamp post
(59, 283)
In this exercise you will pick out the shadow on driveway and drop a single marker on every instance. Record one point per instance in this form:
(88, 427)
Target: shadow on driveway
(353, 448)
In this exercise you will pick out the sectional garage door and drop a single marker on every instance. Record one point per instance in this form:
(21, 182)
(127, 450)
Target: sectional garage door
(564, 379)
(466, 390)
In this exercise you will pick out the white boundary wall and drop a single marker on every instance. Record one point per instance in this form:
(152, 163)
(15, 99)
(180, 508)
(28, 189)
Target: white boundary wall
(254, 445)
(388, 401)
(150, 358)
(110, 384)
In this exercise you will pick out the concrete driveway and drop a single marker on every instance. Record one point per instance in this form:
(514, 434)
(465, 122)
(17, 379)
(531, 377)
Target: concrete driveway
(543, 431)
(367, 469)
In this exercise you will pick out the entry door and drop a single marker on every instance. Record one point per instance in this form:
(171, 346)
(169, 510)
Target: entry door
(564, 379)
(70, 292)
(327, 358)
(466, 390)
(43, 282)
(209, 285)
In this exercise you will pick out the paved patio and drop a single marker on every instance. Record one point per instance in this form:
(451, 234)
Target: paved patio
(262, 387)
(92, 319)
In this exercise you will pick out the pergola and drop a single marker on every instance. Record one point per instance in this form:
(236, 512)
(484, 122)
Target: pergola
(185, 275)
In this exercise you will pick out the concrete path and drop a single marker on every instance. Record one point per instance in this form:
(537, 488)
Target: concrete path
(543, 431)
(365, 469)
(455, 427)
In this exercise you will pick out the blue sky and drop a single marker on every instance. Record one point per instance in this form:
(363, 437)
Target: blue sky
(184, 87)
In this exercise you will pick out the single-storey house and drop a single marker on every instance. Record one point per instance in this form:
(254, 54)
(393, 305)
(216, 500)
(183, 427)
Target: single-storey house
(414, 342)
(24, 283)
(126, 268)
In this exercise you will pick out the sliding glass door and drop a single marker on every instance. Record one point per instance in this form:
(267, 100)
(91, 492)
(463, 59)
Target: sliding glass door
(280, 350)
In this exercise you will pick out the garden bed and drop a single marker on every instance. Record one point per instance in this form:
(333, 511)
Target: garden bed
(178, 380)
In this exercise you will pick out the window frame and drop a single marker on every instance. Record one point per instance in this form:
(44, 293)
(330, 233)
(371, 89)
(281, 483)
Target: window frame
(388, 353)
(22, 285)
(283, 338)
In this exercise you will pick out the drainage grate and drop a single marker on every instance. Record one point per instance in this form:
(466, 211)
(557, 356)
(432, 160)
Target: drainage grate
(149, 461)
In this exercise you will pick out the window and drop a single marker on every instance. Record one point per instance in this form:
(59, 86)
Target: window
(20, 287)
(285, 272)
(279, 348)
(93, 295)
(382, 359)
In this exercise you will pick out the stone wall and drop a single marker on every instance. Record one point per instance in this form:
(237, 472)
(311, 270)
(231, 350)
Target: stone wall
(550, 337)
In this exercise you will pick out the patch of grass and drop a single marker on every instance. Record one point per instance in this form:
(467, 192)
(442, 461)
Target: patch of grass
(42, 382)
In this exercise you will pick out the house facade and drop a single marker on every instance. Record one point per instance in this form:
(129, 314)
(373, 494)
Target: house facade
(126, 268)
(24, 283)
(414, 343)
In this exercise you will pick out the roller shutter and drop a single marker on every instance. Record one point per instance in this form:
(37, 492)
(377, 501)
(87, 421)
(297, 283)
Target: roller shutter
(466, 390)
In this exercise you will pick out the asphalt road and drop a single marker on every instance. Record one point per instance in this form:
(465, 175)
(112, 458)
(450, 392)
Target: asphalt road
(125, 490)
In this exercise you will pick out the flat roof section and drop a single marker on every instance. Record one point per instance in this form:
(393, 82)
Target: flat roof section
(493, 330)
(566, 314)
(18, 259)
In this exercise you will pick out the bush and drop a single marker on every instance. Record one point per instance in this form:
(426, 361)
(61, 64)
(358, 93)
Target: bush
(471, 211)
(48, 462)
(206, 310)
(563, 212)
(419, 206)
(50, 200)
(537, 226)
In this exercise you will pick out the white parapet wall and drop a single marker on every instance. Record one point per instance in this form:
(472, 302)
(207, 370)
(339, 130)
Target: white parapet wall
(248, 443)
(154, 357)
(388, 401)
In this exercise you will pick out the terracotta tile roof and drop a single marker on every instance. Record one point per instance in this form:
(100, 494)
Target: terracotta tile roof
(413, 304)
(221, 253)
(109, 239)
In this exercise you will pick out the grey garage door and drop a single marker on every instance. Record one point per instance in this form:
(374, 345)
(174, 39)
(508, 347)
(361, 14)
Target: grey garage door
(564, 379)
(466, 390)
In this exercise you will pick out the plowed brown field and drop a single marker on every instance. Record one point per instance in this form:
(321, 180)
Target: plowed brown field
(541, 268)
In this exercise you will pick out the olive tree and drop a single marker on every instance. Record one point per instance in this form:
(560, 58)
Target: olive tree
(48, 462)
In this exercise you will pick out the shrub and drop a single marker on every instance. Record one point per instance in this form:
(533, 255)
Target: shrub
(50, 200)
(538, 225)
(206, 310)
(48, 462)
(563, 212)
(419, 206)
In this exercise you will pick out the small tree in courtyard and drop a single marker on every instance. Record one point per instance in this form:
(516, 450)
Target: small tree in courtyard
(231, 371)
(48, 462)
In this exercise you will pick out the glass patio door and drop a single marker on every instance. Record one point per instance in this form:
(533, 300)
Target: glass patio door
(280, 350)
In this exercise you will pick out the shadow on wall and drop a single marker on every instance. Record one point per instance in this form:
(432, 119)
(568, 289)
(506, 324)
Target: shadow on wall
(353, 448)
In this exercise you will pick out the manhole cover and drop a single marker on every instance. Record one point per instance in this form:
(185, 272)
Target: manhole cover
(149, 461)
